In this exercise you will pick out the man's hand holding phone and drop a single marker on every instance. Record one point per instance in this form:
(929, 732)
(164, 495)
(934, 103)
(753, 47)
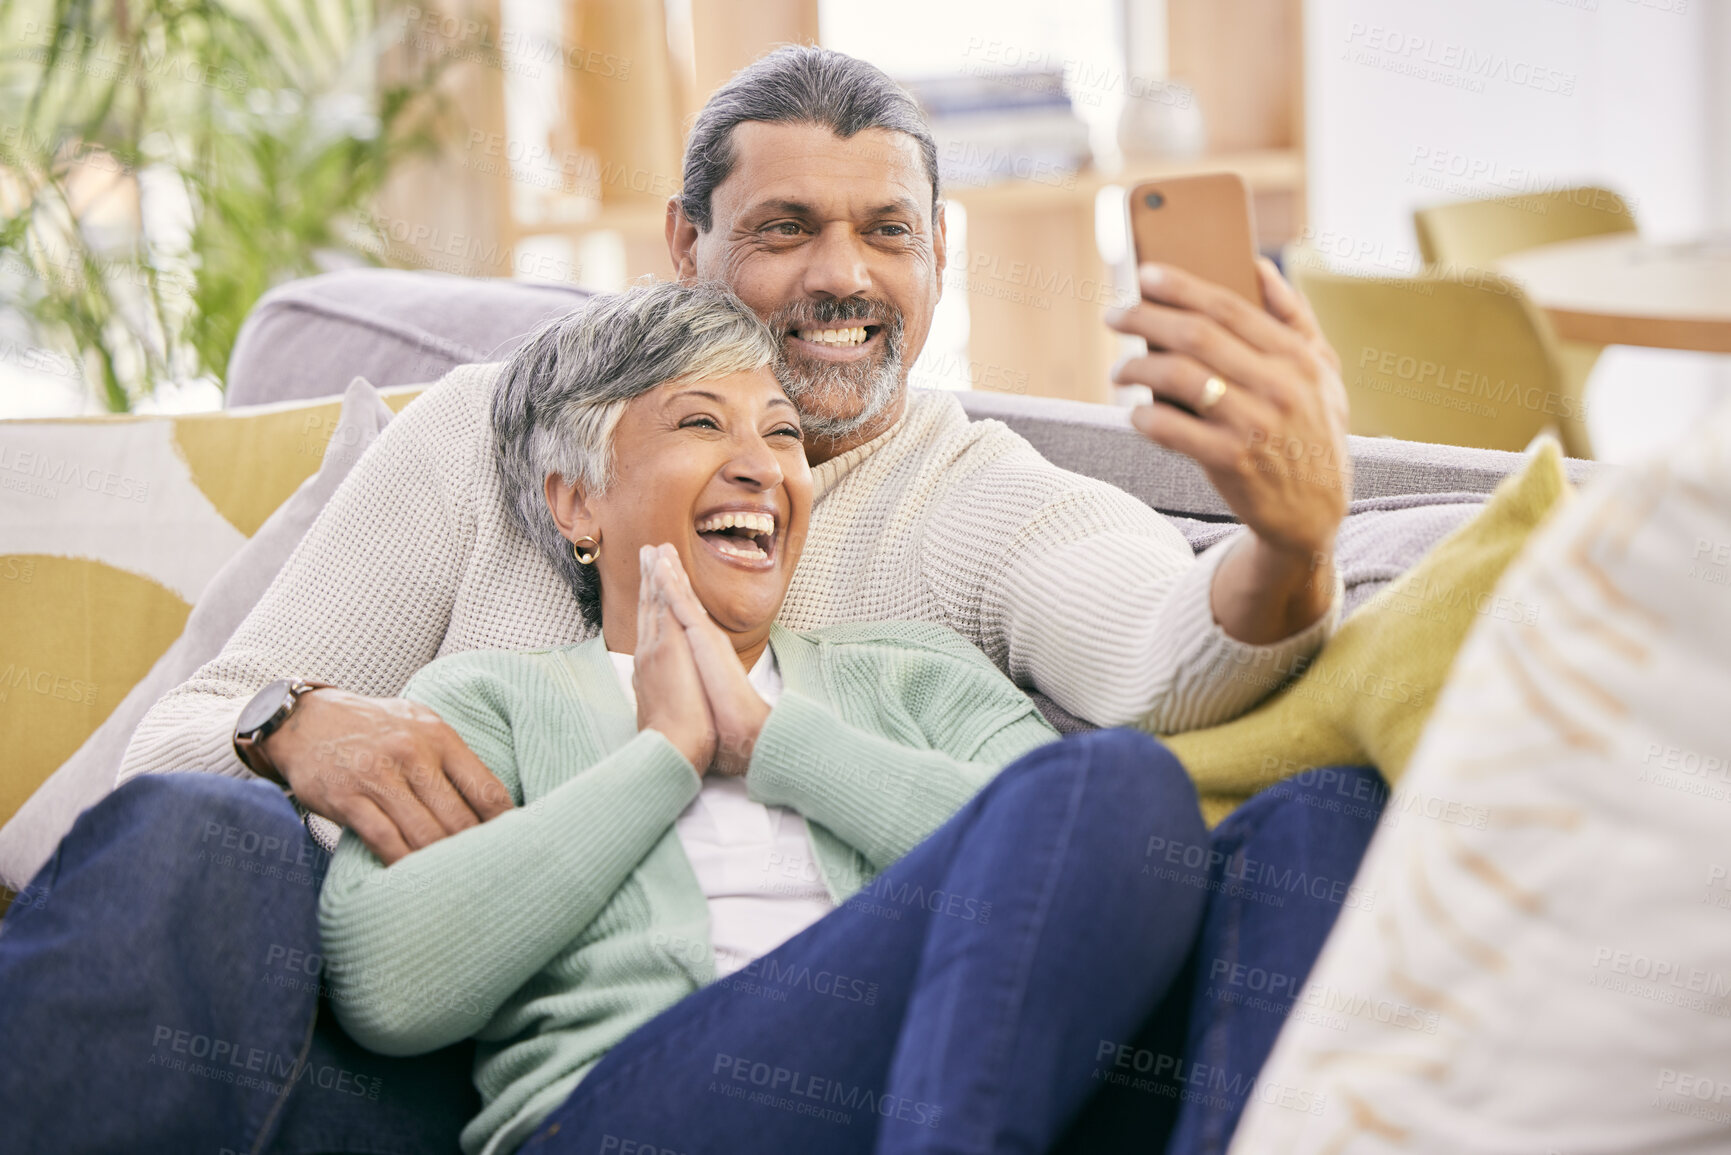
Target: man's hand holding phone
(1270, 434)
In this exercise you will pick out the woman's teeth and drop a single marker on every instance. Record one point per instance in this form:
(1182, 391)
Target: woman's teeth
(854, 336)
(747, 548)
(739, 533)
(755, 522)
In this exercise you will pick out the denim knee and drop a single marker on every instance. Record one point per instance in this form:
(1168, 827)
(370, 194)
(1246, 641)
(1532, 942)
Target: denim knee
(190, 787)
(163, 818)
(1131, 778)
(1134, 765)
(1321, 799)
(182, 802)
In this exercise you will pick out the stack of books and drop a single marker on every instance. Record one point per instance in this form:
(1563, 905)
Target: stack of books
(1001, 126)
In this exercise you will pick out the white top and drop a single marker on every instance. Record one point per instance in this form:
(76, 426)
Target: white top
(755, 863)
(1546, 966)
(1069, 585)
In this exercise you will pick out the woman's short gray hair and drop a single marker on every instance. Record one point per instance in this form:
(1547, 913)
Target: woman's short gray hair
(559, 398)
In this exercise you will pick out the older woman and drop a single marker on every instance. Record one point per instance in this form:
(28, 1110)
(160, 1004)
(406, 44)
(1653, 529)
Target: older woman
(753, 896)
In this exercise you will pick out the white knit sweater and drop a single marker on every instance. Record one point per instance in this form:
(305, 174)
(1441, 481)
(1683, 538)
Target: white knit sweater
(1070, 585)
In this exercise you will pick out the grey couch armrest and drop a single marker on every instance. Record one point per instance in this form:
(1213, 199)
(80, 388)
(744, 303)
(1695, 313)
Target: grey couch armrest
(1098, 440)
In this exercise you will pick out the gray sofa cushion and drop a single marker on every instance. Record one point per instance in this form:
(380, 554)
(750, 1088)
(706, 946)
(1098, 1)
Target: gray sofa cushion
(1099, 441)
(310, 338)
(1379, 539)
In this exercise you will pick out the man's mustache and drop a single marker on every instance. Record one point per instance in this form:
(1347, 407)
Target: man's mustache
(812, 314)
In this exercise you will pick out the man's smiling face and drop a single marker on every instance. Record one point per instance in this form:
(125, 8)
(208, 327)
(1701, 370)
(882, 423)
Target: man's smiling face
(832, 241)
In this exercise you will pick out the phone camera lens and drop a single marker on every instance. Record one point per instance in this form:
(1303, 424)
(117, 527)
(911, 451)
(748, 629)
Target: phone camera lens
(1153, 200)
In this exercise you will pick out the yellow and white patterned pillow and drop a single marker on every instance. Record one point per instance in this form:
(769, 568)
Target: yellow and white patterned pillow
(1549, 969)
(110, 528)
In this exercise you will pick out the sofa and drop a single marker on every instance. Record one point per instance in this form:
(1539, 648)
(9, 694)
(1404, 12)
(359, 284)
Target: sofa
(293, 378)
(310, 338)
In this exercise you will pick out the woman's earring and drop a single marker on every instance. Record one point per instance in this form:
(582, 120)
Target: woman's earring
(585, 554)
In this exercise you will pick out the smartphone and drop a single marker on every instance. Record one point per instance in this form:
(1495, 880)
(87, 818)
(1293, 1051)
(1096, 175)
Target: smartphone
(1201, 224)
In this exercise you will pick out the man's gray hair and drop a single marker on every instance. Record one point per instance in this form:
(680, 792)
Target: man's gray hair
(558, 400)
(797, 84)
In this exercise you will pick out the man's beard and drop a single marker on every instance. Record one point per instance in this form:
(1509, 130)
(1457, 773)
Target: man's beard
(825, 390)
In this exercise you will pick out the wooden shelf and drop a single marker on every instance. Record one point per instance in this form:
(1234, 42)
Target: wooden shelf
(641, 218)
(1273, 169)
(1037, 287)
(1264, 170)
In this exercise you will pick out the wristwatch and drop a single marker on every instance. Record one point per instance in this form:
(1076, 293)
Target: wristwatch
(262, 717)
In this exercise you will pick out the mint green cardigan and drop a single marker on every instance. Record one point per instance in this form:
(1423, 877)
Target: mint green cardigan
(556, 929)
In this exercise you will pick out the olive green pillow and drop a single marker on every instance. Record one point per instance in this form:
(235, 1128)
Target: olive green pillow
(1366, 695)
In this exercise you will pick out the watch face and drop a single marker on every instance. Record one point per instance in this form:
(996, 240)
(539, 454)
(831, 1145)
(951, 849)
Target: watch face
(264, 706)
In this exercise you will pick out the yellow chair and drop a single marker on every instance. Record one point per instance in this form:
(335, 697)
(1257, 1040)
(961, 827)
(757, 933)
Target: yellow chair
(1454, 359)
(1475, 234)
(1478, 233)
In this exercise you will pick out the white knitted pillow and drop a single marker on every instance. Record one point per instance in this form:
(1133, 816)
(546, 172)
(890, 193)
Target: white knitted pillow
(1549, 967)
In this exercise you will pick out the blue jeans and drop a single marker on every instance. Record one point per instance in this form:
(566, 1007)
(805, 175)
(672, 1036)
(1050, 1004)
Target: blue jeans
(1281, 869)
(960, 1003)
(168, 955)
(1277, 873)
(160, 991)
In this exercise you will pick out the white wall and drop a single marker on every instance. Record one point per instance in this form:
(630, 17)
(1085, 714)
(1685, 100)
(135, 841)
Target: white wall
(1716, 43)
(1631, 94)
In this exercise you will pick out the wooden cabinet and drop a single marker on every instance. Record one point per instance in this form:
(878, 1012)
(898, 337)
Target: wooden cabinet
(1036, 285)
(631, 129)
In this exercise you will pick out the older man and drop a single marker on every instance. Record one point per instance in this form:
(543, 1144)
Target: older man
(811, 190)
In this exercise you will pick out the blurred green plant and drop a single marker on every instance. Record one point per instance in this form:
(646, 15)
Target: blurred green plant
(165, 162)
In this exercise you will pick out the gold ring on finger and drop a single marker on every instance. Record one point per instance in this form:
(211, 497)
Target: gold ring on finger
(1213, 390)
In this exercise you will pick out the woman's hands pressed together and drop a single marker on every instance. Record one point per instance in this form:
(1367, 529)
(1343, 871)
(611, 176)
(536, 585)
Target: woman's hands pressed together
(689, 676)
(670, 695)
